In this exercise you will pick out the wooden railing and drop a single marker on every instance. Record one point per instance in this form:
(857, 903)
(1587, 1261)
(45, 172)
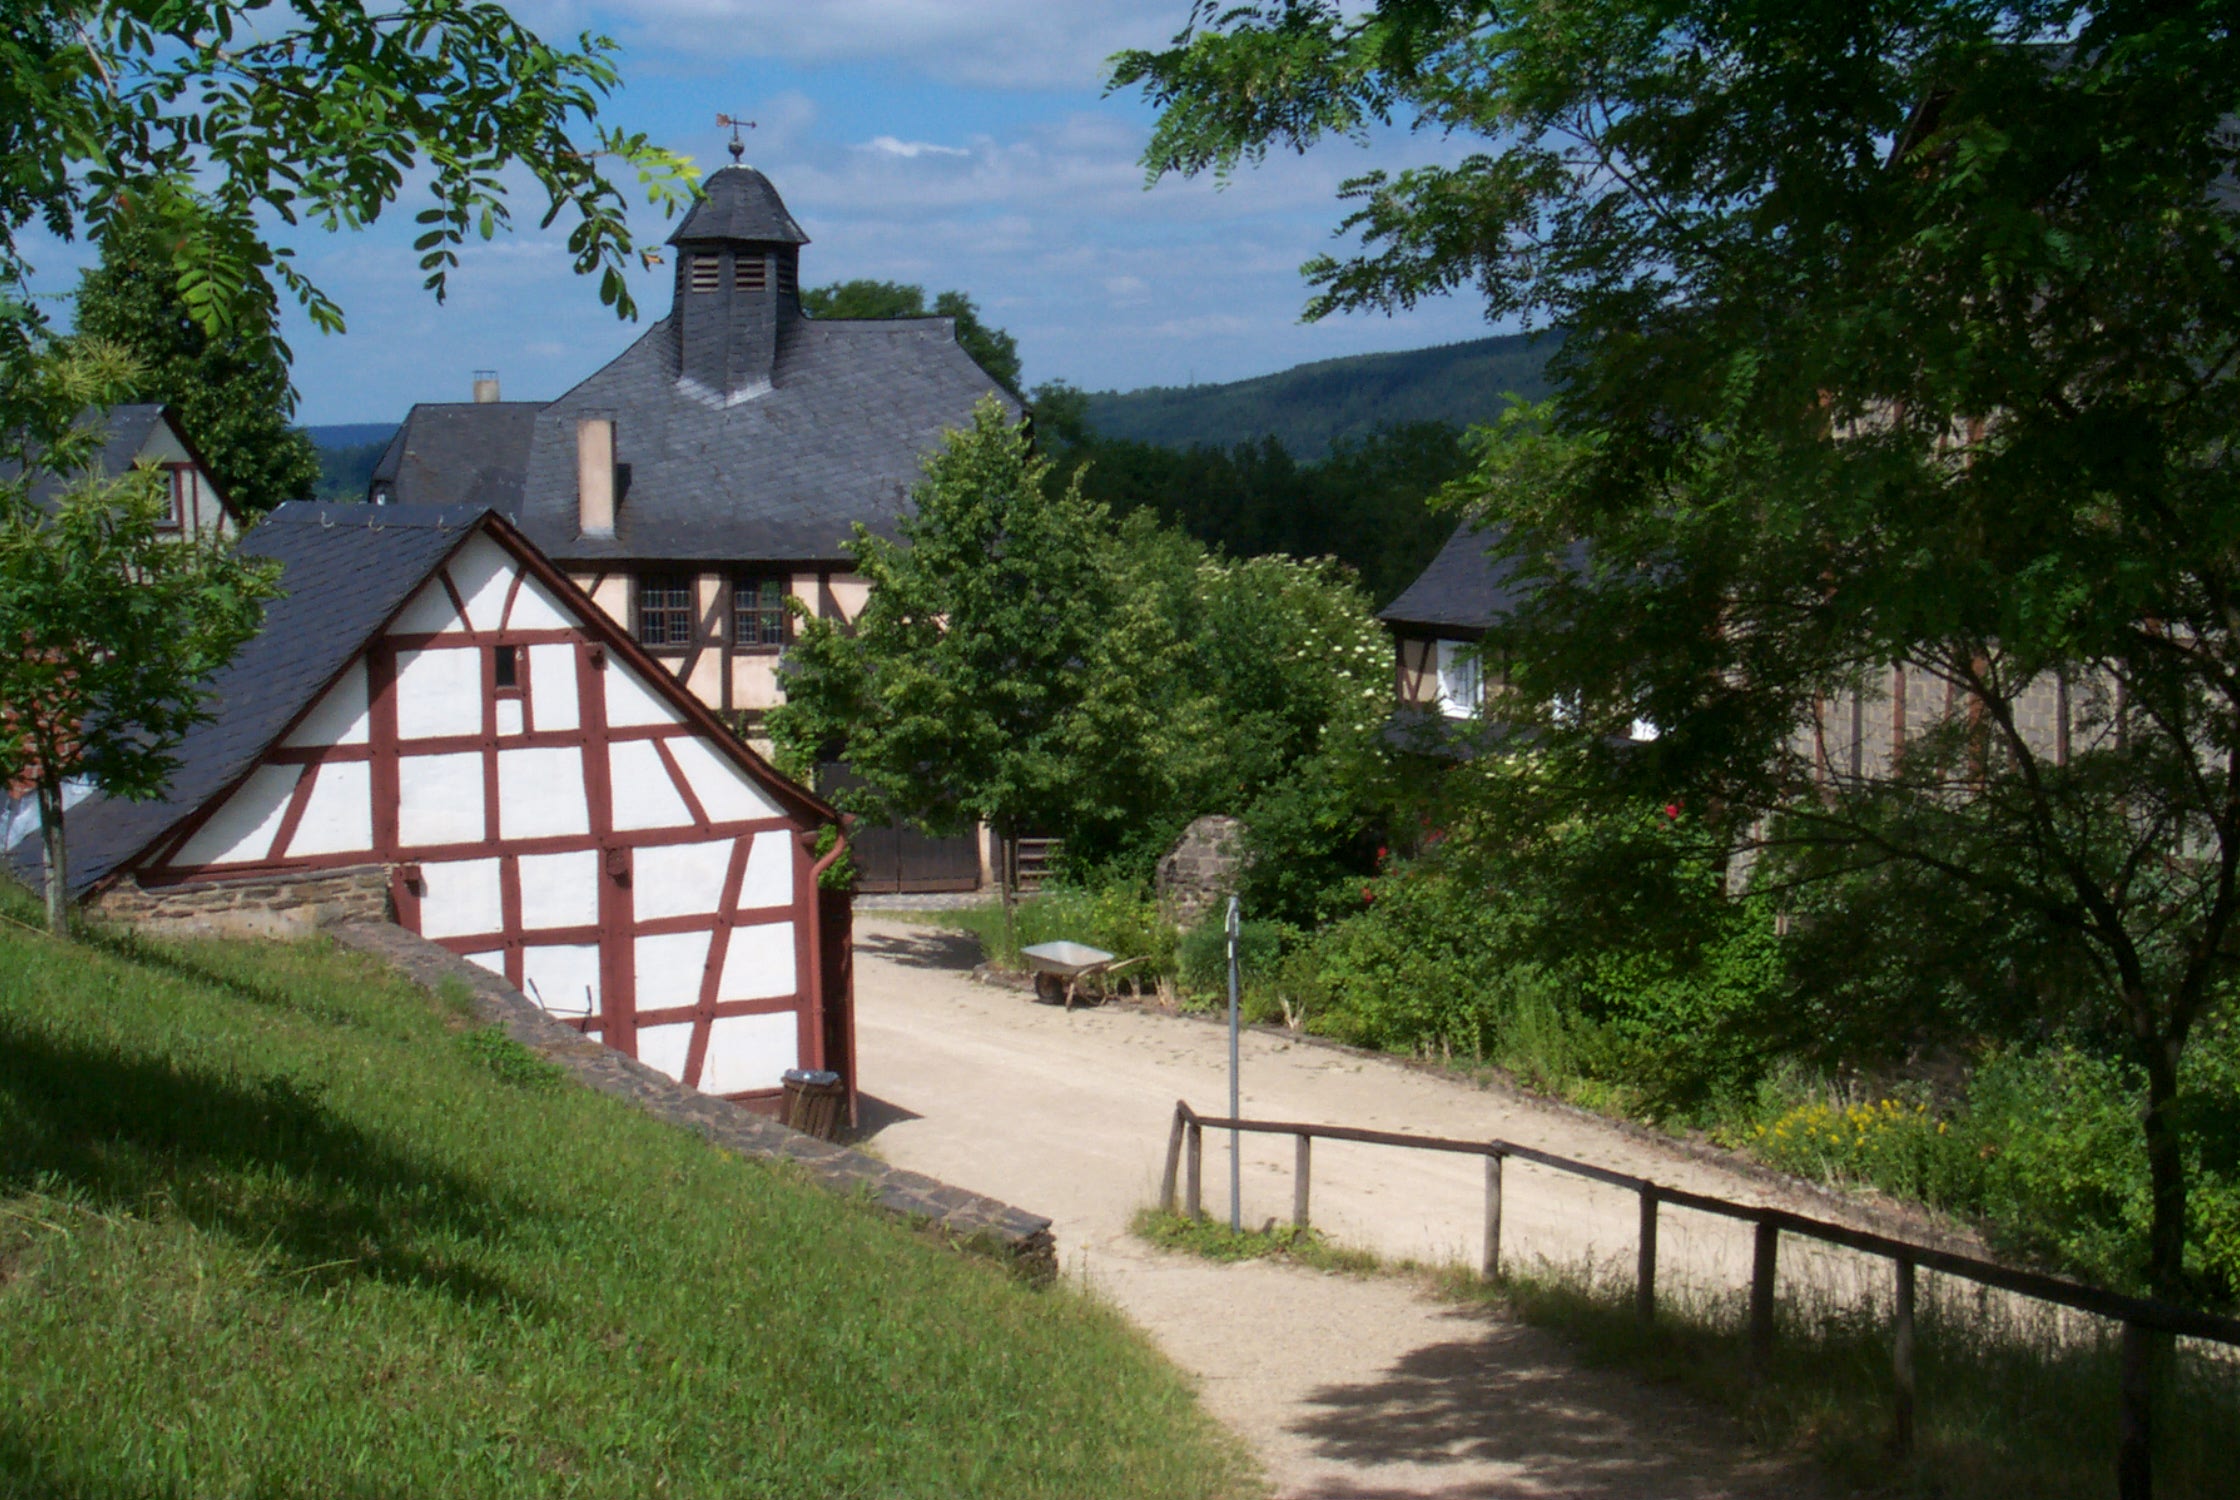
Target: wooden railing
(2141, 1317)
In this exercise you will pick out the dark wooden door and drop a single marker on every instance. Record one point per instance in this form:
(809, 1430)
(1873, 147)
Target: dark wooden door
(896, 858)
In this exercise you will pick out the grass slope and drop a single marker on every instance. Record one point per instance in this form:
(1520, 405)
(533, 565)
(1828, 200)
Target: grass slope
(274, 1224)
(1309, 407)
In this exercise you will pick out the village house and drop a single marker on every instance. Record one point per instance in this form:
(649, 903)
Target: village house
(436, 725)
(716, 467)
(147, 434)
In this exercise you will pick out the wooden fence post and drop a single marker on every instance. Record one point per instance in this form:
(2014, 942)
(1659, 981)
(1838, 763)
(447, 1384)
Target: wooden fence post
(1174, 1162)
(1901, 1360)
(2134, 1450)
(1764, 1250)
(1194, 1172)
(1301, 1175)
(1645, 1266)
(1493, 1215)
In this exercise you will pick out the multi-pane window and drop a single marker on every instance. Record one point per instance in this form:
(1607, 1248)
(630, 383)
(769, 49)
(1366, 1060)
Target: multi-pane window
(665, 609)
(758, 612)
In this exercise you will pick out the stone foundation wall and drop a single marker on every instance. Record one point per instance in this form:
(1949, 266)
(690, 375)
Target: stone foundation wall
(261, 906)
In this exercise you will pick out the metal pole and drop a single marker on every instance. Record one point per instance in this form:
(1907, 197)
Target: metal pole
(1236, 1110)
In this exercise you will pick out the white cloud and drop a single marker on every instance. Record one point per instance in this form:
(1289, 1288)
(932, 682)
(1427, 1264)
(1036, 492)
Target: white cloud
(887, 145)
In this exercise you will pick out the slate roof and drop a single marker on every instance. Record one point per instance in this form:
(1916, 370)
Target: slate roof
(1462, 593)
(347, 569)
(739, 203)
(127, 433)
(450, 453)
(840, 437)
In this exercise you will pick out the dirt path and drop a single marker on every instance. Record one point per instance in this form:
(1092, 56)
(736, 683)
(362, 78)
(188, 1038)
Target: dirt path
(1346, 1387)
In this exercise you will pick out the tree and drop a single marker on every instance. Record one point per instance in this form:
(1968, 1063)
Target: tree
(1897, 331)
(992, 349)
(110, 625)
(954, 694)
(211, 120)
(230, 387)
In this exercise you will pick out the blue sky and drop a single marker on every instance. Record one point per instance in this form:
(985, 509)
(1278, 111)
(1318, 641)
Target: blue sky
(951, 144)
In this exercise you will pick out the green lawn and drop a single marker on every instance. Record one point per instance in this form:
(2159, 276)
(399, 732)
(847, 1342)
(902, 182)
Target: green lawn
(275, 1224)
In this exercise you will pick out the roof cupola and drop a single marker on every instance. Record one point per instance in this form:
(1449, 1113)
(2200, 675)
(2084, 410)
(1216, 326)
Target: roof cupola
(738, 285)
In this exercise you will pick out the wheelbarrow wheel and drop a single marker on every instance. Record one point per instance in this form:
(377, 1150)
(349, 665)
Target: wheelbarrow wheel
(1050, 989)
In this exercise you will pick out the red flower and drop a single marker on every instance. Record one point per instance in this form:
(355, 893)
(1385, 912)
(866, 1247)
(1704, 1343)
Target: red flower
(1382, 851)
(1672, 809)
(1368, 896)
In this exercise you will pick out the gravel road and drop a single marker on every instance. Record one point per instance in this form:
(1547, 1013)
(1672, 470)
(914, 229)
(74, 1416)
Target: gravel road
(1347, 1388)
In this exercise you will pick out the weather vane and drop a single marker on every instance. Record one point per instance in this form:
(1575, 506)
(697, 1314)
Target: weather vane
(738, 146)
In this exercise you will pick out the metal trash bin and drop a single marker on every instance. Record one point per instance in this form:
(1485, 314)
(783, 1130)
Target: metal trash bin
(816, 1102)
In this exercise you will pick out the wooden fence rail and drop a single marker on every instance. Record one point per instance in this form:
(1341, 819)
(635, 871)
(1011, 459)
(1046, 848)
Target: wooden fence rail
(2140, 1316)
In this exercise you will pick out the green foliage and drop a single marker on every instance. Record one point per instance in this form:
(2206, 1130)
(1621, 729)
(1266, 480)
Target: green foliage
(840, 875)
(109, 628)
(213, 119)
(953, 695)
(1313, 409)
(1202, 954)
(271, 1227)
(1216, 1241)
(1868, 358)
(508, 1061)
(230, 388)
(991, 348)
(1365, 503)
(1121, 920)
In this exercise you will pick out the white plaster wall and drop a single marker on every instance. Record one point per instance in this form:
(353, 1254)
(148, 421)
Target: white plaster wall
(439, 799)
(562, 977)
(552, 683)
(242, 830)
(665, 1048)
(535, 608)
(850, 593)
(754, 682)
(483, 574)
(769, 880)
(338, 815)
(725, 793)
(510, 716)
(758, 964)
(679, 880)
(541, 793)
(644, 796)
(560, 890)
(460, 898)
(630, 701)
(669, 968)
(494, 961)
(429, 612)
(340, 717)
(439, 692)
(750, 1052)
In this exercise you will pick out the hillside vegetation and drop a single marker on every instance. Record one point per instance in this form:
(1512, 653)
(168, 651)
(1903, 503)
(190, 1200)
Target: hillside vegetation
(274, 1223)
(1311, 408)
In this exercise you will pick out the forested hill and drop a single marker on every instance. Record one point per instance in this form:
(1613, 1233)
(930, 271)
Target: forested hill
(1309, 407)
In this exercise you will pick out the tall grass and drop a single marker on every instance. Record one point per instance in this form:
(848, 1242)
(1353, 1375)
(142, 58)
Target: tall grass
(275, 1224)
(2013, 1402)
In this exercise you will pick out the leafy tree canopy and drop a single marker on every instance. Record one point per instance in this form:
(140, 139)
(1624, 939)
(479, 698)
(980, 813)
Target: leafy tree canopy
(230, 386)
(991, 348)
(213, 121)
(1895, 331)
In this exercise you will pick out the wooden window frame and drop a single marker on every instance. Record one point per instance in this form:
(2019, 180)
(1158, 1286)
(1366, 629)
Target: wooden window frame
(752, 627)
(677, 610)
(176, 478)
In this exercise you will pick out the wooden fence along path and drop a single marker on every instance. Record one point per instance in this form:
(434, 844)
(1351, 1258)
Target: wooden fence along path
(2141, 1317)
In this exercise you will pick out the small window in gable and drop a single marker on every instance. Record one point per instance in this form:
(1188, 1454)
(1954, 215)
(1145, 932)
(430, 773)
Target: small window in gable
(1459, 686)
(707, 273)
(751, 273)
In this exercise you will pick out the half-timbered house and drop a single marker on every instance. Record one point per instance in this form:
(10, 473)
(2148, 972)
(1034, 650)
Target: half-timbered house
(434, 706)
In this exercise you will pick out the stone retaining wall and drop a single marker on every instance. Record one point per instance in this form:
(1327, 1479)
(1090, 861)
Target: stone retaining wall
(261, 906)
(1020, 1240)
(1201, 870)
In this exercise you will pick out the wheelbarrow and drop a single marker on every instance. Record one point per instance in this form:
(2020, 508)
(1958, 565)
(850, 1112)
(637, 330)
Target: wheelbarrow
(1060, 967)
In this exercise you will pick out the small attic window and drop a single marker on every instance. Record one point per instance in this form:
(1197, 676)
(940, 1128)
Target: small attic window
(707, 273)
(751, 273)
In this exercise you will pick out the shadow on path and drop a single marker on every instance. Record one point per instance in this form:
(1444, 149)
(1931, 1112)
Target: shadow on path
(1501, 1393)
(923, 948)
